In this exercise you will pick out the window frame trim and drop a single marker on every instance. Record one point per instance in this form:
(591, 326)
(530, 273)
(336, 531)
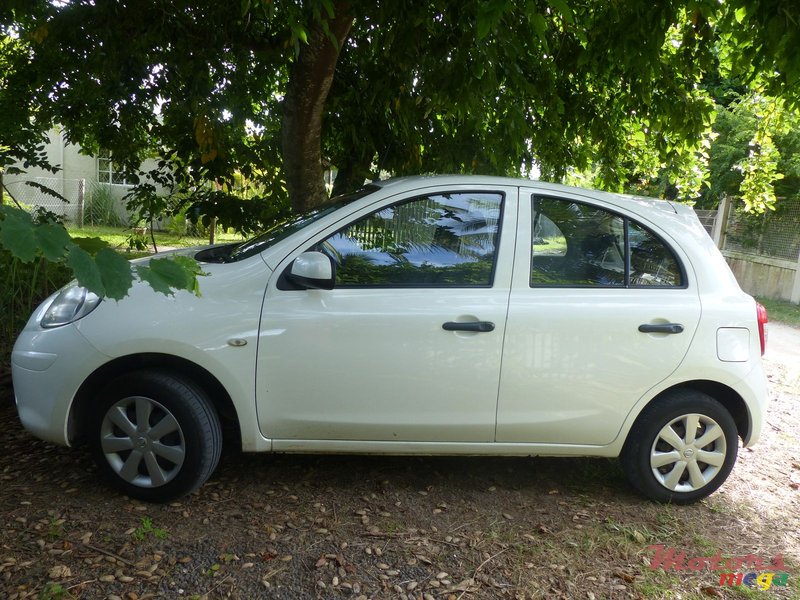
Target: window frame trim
(106, 156)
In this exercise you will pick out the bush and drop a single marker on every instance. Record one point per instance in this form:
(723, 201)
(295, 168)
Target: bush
(24, 287)
(101, 208)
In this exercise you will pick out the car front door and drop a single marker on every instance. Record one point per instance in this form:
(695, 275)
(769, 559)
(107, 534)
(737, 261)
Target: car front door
(588, 280)
(407, 346)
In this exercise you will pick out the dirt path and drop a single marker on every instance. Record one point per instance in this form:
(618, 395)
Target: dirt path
(300, 527)
(783, 348)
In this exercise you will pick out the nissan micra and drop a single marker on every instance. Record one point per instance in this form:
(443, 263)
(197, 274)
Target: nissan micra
(428, 315)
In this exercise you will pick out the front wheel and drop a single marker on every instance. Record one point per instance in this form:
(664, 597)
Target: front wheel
(155, 436)
(681, 448)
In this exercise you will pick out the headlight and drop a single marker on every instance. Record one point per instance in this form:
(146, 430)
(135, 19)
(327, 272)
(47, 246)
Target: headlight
(72, 303)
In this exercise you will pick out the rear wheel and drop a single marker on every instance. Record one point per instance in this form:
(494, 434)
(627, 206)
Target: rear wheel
(155, 436)
(681, 448)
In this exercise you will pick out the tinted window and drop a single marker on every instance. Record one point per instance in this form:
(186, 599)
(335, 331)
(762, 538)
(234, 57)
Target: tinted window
(576, 244)
(652, 262)
(439, 240)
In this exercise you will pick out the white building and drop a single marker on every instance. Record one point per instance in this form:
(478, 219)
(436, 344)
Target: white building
(85, 181)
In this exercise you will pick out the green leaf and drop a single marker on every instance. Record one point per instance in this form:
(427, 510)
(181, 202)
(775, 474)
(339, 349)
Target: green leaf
(482, 25)
(489, 17)
(115, 272)
(740, 14)
(299, 33)
(175, 273)
(17, 233)
(562, 7)
(53, 240)
(86, 271)
(540, 26)
(92, 245)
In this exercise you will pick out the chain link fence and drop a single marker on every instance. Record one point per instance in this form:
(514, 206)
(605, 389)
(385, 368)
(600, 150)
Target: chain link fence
(81, 203)
(707, 218)
(775, 234)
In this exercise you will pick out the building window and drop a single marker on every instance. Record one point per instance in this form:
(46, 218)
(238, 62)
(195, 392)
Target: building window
(108, 171)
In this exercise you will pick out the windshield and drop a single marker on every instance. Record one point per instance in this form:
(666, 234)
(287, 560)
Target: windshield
(295, 223)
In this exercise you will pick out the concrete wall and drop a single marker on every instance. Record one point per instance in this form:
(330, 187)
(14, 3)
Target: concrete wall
(764, 276)
(767, 277)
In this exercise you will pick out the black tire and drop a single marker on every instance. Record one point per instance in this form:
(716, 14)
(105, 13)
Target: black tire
(173, 453)
(646, 442)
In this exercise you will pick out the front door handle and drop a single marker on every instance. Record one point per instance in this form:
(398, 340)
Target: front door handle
(661, 328)
(480, 326)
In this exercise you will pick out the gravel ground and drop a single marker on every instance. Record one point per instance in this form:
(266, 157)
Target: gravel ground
(377, 527)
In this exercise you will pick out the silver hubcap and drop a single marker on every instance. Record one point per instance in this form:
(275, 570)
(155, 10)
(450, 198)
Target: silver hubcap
(688, 453)
(142, 441)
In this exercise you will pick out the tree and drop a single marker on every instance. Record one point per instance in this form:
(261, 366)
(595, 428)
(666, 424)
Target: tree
(756, 152)
(402, 86)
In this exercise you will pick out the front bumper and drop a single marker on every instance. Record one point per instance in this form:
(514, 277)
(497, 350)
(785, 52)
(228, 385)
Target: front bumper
(48, 367)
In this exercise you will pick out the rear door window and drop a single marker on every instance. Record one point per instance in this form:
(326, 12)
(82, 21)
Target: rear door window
(581, 245)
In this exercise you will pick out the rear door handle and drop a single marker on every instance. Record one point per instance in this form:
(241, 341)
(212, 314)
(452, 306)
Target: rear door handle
(661, 328)
(480, 326)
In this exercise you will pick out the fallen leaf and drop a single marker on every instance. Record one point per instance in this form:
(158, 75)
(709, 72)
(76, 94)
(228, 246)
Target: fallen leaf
(463, 586)
(624, 576)
(59, 572)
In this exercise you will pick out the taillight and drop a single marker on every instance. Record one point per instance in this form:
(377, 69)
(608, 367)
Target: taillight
(763, 319)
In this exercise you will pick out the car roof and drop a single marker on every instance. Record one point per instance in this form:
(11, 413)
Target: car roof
(418, 181)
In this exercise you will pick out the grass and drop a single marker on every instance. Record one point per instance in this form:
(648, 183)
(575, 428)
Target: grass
(55, 529)
(118, 237)
(54, 591)
(782, 311)
(147, 528)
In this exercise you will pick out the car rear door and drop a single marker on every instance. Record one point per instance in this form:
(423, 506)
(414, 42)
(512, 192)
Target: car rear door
(590, 329)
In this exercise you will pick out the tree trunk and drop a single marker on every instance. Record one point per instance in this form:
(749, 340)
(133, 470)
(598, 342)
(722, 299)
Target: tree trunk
(351, 175)
(310, 81)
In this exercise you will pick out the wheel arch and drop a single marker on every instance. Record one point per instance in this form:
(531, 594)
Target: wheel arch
(82, 403)
(725, 395)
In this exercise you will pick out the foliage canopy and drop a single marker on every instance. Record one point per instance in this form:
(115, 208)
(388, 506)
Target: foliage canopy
(260, 91)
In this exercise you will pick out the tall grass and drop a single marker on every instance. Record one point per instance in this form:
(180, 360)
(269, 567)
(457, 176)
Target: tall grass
(101, 208)
(24, 286)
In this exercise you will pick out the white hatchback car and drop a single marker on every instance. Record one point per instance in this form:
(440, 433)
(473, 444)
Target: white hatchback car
(428, 315)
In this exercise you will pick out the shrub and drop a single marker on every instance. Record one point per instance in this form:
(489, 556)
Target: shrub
(101, 208)
(25, 286)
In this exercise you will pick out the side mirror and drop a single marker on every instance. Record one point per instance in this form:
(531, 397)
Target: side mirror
(312, 270)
